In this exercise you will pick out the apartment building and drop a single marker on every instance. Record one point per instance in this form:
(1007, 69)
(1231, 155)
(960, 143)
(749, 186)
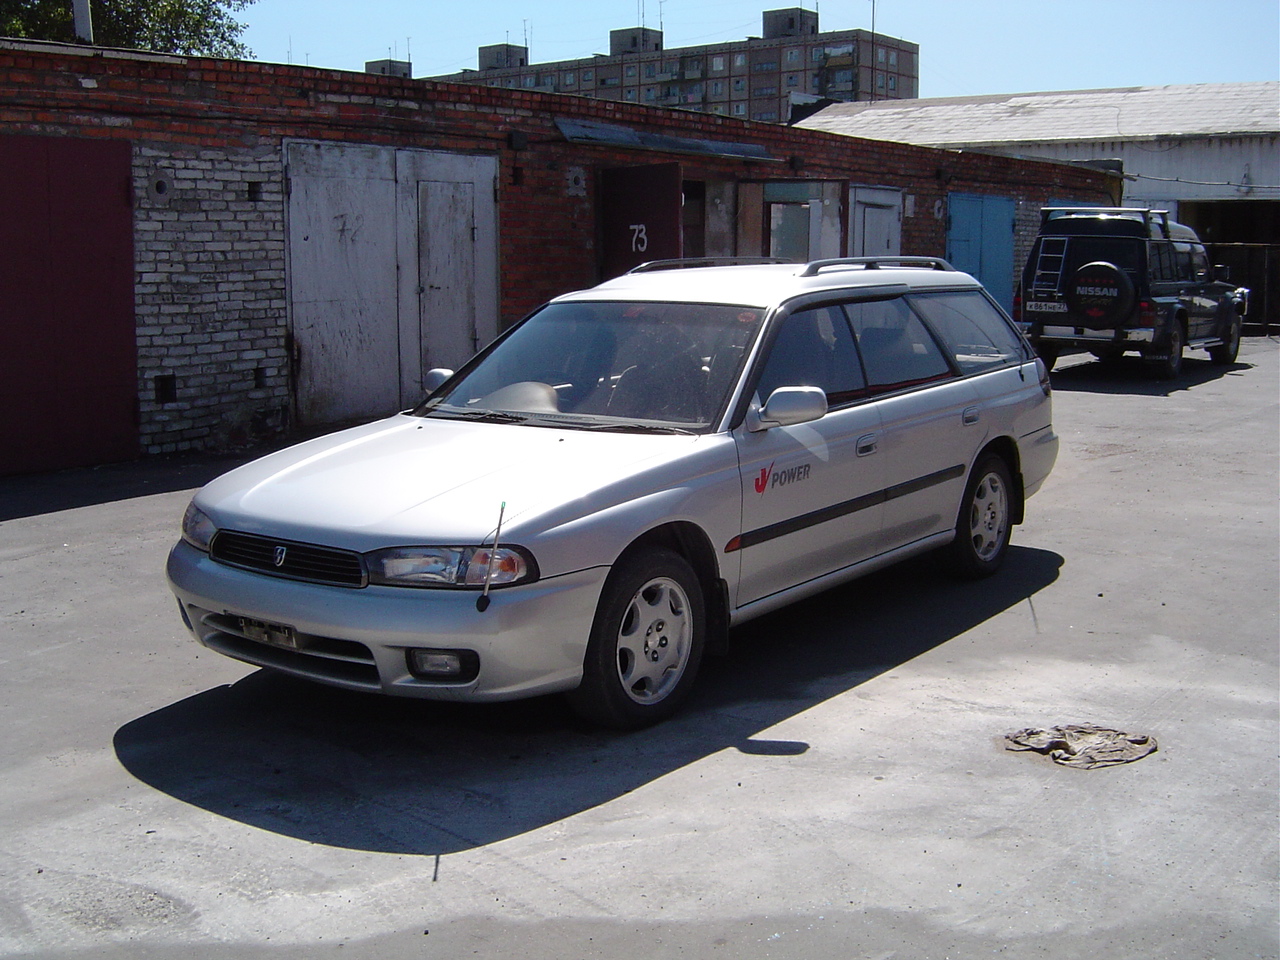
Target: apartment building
(760, 78)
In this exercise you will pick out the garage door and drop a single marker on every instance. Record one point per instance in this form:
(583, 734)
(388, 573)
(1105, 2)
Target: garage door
(67, 340)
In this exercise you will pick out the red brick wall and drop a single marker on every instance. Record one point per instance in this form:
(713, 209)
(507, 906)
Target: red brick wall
(211, 282)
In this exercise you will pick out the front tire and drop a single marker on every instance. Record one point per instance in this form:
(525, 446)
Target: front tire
(1230, 348)
(985, 522)
(646, 642)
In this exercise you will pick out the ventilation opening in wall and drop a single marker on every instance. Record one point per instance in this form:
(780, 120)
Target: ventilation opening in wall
(165, 387)
(159, 187)
(259, 377)
(255, 191)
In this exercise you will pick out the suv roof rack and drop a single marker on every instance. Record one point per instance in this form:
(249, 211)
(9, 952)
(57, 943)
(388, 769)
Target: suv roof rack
(1147, 215)
(814, 267)
(654, 265)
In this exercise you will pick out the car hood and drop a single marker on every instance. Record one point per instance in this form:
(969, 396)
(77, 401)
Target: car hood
(418, 480)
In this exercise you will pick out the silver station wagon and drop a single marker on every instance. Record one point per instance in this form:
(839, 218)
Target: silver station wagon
(601, 493)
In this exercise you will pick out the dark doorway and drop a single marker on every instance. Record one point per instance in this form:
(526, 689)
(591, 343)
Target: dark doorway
(641, 216)
(67, 338)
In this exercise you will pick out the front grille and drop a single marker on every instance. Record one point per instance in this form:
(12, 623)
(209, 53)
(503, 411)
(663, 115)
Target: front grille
(288, 559)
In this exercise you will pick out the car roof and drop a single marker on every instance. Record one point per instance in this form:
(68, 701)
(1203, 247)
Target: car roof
(768, 284)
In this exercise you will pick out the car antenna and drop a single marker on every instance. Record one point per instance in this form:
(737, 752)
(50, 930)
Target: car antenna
(482, 601)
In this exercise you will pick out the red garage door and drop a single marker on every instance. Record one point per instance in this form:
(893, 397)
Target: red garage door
(68, 361)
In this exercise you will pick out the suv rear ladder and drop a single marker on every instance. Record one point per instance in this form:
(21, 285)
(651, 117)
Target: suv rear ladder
(1053, 251)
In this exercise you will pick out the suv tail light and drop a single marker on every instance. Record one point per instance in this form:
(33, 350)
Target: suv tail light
(1017, 307)
(1146, 313)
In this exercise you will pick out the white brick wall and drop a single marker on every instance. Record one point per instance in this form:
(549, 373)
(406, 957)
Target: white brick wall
(210, 297)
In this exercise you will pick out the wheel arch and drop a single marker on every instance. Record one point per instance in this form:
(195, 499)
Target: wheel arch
(1007, 450)
(692, 543)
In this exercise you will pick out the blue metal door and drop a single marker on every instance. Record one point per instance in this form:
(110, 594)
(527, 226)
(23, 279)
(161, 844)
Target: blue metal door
(980, 241)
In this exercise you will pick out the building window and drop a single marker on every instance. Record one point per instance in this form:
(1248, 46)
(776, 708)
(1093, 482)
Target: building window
(739, 86)
(530, 81)
(570, 79)
(717, 88)
(765, 66)
(739, 59)
(650, 70)
(739, 109)
(893, 83)
(793, 56)
(769, 116)
(793, 80)
(893, 58)
(717, 63)
(880, 52)
(588, 76)
(650, 93)
(630, 70)
(769, 91)
(879, 81)
(816, 54)
(630, 94)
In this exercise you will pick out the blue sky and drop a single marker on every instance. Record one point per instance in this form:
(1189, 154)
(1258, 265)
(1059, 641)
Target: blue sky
(966, 46)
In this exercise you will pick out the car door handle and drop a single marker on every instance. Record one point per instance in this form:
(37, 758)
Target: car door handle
(970, 415)
(867, 445)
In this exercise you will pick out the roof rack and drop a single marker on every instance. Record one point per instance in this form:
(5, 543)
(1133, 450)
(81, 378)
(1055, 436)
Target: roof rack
(1148, 216)
(654, 265)
(814, 267)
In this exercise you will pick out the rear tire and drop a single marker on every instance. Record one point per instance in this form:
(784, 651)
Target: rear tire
(1171, 366)
(985, 522)
(1048, 354)
(646, 642)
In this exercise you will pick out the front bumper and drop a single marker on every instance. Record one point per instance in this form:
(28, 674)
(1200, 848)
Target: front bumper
(530, 640)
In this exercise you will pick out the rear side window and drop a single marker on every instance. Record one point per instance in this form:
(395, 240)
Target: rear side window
(978, 336)
(897, 349)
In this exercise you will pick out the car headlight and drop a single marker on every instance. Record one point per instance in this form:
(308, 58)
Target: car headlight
(197, 528)
(450, 566)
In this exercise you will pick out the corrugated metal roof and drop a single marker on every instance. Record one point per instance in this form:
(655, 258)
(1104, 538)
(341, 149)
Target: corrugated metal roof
(1128, 113)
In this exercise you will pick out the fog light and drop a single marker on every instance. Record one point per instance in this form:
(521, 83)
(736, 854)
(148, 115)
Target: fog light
(458, 666)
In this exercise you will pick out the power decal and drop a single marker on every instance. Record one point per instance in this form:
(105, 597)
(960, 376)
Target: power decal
(770, 478)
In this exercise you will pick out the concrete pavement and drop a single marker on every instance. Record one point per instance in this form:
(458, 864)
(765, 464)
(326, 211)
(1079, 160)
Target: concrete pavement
(838, 787)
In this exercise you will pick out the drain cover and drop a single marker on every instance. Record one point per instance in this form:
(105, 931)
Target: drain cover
(1083, 745)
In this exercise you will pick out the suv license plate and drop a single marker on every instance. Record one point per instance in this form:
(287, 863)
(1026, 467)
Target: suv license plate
(1032, 306)
(275, 634)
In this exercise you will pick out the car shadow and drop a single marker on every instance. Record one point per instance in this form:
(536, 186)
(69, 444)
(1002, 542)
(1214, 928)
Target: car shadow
(1131, 376)
(30, 495)
(415, 777)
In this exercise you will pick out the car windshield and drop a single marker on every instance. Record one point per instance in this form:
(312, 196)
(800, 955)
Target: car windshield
(660, 367)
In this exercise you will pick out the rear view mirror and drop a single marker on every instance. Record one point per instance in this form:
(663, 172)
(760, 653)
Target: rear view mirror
(788, 406)
(434, 378)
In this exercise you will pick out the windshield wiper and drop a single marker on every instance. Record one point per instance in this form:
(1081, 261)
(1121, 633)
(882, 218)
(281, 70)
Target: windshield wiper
(633, 427)
(483, 416)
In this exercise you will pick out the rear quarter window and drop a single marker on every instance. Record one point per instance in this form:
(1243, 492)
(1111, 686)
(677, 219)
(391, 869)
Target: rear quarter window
(976, 333)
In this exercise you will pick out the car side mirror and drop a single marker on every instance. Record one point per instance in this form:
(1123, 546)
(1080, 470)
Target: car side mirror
(788, 406)
(434, 378)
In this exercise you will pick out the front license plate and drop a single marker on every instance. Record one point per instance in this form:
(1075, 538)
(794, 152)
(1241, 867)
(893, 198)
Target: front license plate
(275, 634)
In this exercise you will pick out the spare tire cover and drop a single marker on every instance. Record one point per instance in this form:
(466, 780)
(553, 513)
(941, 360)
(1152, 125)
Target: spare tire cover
(1099, 294)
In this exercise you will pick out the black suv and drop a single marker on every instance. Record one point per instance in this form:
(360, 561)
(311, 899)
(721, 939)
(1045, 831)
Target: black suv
(1115, 279)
